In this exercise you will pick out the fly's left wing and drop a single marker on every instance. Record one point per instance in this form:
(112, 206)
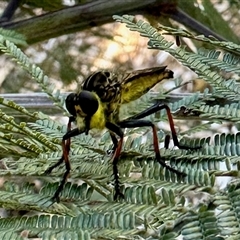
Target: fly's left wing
(123, 88)
(137, 83)
(104, 84)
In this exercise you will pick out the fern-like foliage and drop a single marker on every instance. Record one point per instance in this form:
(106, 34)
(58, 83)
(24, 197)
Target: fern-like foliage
(158, 204)
(36, 72)
(13, 37)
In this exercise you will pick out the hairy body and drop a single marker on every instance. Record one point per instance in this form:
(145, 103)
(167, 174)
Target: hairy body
(111, 91)
(96, 105)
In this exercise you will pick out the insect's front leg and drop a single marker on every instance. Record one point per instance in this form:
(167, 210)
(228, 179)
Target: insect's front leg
(65, 157)
(66, 147)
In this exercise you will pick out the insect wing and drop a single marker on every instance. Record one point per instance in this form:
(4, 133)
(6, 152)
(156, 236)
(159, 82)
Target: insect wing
(139, 82)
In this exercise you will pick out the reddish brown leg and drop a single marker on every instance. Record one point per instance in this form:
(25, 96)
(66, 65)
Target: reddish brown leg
(158, 107)
(145, 123)
(66, 141)
(65, 147)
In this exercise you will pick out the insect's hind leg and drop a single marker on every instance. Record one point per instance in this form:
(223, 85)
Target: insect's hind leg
(158, 107)
(145, 123)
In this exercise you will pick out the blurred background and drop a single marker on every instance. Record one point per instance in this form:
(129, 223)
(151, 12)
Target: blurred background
(68, 58)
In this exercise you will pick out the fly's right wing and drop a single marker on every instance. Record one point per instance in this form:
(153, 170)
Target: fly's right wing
(136, 83)
(128, 86)
(116, 89)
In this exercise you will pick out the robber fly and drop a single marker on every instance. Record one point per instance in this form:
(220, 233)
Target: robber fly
(97, 105)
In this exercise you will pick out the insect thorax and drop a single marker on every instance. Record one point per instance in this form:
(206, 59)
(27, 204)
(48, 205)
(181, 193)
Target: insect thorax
(108, 88)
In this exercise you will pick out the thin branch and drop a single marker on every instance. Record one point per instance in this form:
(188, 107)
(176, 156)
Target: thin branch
(182, 17)
(96, 13)
(10, 10)
(34, 102)
(76, 18)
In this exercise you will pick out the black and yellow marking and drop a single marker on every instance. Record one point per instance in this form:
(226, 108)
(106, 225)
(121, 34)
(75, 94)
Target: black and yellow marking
(97, 105)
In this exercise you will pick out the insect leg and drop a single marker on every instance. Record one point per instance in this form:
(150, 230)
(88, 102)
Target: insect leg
(117, 150)
(145, 123)
(65, 149)
(115, 143)
(158, 107)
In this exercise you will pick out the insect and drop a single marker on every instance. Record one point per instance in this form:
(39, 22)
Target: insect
(97, 105)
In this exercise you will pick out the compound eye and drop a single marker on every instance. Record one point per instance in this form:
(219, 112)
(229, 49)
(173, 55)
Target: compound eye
(88, 102)
(70, 104)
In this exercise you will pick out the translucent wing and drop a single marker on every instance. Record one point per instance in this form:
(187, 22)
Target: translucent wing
(137, 83)
(127, 87)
